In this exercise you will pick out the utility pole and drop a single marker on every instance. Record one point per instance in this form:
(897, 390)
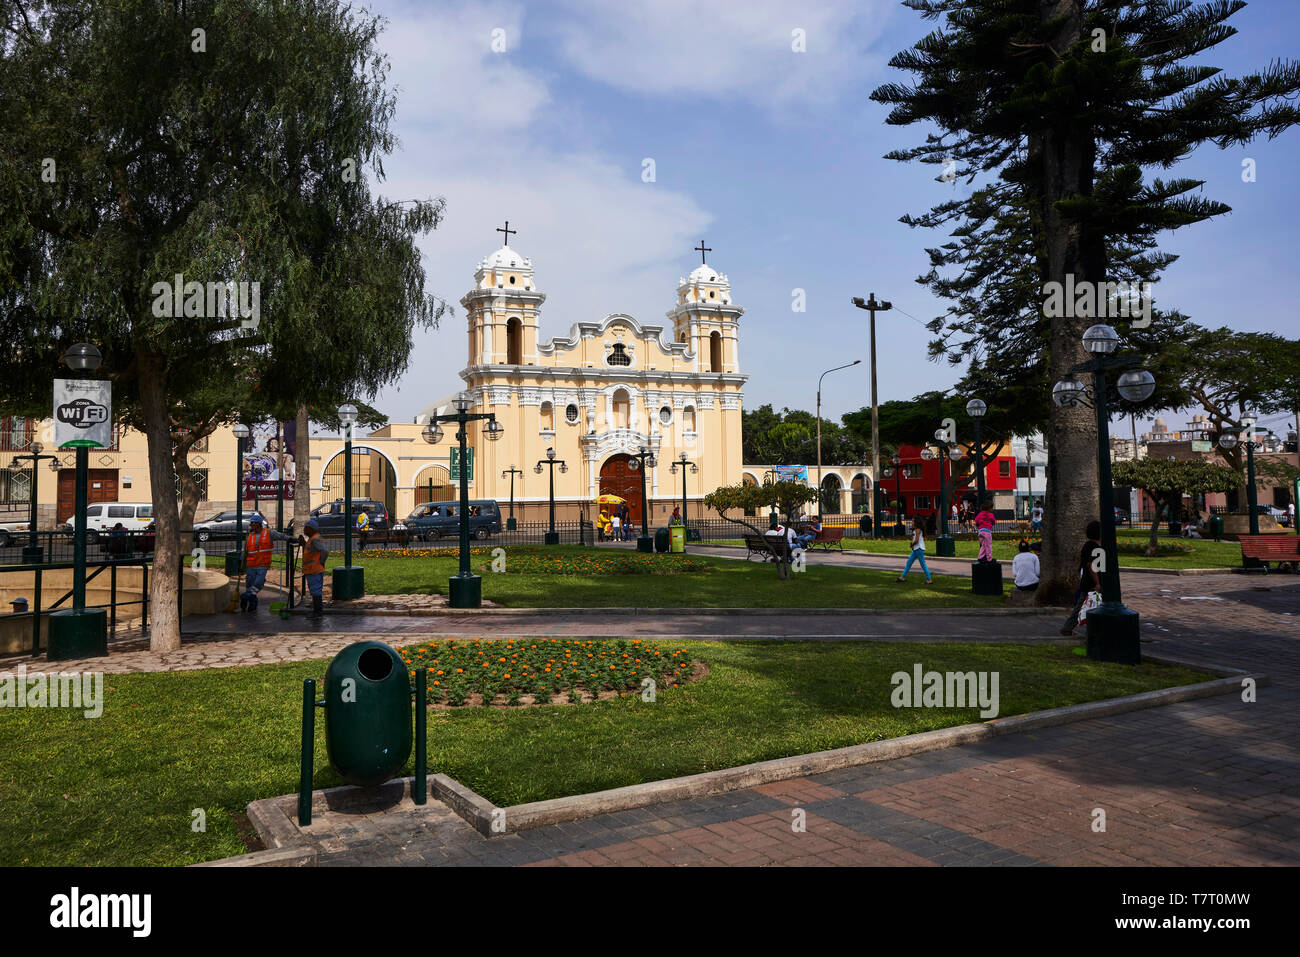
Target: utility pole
(872, 305)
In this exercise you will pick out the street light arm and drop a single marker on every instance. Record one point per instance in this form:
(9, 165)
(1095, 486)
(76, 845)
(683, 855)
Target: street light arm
(847, 365)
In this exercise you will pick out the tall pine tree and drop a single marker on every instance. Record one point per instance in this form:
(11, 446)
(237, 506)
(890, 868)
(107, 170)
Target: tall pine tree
(1057, 108)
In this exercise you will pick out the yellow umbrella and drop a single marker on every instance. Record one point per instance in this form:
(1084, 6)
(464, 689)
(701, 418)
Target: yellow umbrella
(608, 499)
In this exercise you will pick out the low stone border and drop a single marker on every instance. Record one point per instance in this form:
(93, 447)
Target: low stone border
(274, 818)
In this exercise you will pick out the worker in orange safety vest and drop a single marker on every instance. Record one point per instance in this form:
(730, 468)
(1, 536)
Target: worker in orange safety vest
(258, 549)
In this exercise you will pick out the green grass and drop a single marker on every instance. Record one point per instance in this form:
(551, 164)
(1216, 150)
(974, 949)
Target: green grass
(1203, 553)
(121, 789)
(727, 584)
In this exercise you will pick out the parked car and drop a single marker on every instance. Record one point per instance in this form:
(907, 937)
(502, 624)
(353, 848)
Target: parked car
(438, 519)
(222, 525)
(329, 517)
(10, 531)
(104, 516)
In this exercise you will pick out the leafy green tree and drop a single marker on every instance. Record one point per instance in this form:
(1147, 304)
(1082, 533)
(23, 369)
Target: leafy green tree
(221, 142)
(787, 496)
(1227, 374)
(915, 421)
(1168, 480)
(1055, 109)
(789, 437)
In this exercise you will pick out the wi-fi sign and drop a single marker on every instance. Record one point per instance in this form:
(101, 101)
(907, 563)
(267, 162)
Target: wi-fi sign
(82, 413)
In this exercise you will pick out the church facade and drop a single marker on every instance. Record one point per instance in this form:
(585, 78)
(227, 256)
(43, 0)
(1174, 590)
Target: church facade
(609, 388)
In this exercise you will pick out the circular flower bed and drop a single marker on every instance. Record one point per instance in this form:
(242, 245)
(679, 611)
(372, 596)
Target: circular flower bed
(451, 551)
(545, 670)
(596, 563)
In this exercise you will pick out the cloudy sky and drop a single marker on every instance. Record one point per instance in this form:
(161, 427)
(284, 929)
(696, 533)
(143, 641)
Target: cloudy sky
(772, 156)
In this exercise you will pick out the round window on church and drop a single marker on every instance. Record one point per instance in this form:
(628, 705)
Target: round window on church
(666, 415)
(571, 414)
(712, 294)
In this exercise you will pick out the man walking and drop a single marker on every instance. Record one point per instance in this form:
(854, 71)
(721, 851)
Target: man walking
(314, 554)
(258, 549)
(1036, 517)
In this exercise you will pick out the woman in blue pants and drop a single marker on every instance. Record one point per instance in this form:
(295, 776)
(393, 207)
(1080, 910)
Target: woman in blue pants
(918, 552)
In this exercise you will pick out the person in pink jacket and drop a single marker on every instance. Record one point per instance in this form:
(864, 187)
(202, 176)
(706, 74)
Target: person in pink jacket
(984, 523)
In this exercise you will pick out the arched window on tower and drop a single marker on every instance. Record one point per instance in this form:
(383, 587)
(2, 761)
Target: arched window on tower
(688, 418)
(548, 417)
(715, 351)
(622, 409)
(515, 342)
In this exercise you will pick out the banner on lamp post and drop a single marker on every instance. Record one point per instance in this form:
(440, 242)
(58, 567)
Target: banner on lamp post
(83, 413)
(455, 464)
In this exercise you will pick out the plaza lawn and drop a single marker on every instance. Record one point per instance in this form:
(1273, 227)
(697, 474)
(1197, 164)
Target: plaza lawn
(122, 789)
(1203, 553)
(725, 584)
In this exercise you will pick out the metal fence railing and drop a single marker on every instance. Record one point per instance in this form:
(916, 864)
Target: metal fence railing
(48, 552)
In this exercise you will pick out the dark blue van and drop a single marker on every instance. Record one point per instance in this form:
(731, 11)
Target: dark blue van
(442, 520)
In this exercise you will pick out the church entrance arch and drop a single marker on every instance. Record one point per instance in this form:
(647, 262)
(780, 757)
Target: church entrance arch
(619, 477)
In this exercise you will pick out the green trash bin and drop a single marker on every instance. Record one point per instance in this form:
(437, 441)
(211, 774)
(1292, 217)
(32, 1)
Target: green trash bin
(367, 713)
(661, 539)
(677, 536)
(1216, 527)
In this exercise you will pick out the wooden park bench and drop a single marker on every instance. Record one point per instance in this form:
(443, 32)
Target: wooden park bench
(828, 538)
(1257, 551)
(759, 545)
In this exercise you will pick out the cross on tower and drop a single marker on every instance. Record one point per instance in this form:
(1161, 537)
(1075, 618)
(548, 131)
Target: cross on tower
(702, 249)
(508, 231)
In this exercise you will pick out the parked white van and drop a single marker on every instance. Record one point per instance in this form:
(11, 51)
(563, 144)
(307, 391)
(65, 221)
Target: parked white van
(104, 517)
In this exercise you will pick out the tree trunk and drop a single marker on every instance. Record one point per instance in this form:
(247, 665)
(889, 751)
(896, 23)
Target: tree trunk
(1154, 540)
(302, 469)
(1064, 158)
(164, 606)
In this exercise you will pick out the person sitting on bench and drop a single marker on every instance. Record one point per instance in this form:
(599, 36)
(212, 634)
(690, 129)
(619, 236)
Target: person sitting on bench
(809, 533)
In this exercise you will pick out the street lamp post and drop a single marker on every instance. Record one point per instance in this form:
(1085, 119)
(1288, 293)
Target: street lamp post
(349, 580)
(941, 525)
(234, 557)
(769, 475)
(819, 433)
(465, 589)
(552, 536)
(945, 546)
(985, 577)
(512, 472)
(79, 632)
(33, 554)
(898, 495)
(682, 461)
(641, 460)
(873, 305)
(1113, 628)
(1228, 441)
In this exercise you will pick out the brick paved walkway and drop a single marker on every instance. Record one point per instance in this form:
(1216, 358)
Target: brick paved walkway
(1209, 782)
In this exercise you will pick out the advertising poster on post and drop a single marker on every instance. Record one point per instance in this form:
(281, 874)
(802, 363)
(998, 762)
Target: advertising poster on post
(262, 462)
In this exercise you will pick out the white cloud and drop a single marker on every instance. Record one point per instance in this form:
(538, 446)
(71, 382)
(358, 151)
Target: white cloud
(450, 80)
(722, 51)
